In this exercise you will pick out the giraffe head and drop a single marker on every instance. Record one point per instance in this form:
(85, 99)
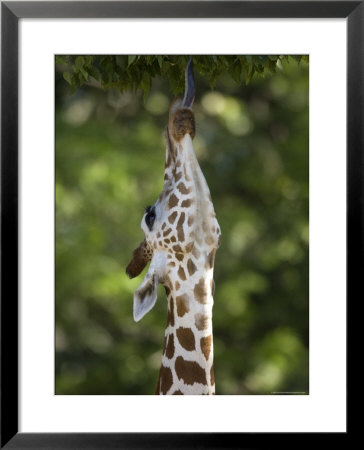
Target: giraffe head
(181, 230)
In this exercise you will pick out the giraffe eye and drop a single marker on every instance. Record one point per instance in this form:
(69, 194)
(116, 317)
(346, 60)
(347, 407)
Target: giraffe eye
(150, 217)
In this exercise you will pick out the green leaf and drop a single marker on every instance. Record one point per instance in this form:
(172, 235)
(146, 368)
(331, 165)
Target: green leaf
(88, 60)
(121, 61)
(67, 76)
(160, 60)
(296, 57)
(131, 59)
(95, 72)
(236, 72)
(250, 75)
(84, 74)
(79, 62)
(62, 59)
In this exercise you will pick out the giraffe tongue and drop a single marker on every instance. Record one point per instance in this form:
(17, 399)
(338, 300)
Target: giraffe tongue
(189, 96)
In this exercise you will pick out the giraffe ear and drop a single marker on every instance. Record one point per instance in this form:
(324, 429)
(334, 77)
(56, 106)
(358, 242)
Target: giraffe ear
(146, 295)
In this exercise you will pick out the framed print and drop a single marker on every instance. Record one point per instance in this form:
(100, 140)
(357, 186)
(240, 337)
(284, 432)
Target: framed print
(270, 106)
(191, 233)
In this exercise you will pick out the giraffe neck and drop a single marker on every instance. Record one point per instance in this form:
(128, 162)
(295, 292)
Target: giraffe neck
(187, 361)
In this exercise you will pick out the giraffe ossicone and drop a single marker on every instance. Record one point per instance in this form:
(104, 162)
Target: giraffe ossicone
(181, 238)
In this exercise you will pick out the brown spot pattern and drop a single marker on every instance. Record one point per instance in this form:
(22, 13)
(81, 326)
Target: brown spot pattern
(169, 352)
(200, 291)
(170, 152)
(165, 345)
(186, 203)
(190, 372)
(191, 267)
(172, 202)
(205, 345)
(157, 389)
(172, 217)
(183, 190)
(177, 392)
(182, 305)
(170, 316)
(212, 375)
(166, 379)
(191, 219)
(210, 259)
(177, 176)
(180, 233)
(181, 274)
(186, 338)
(202, 321)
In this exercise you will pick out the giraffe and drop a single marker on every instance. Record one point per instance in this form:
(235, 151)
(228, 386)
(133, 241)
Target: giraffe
(181, 238)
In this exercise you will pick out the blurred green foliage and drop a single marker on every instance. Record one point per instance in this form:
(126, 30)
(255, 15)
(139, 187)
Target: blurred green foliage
(132, 72)
(252, 144)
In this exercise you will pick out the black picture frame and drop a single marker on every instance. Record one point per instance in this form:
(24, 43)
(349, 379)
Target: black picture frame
(11, 12)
